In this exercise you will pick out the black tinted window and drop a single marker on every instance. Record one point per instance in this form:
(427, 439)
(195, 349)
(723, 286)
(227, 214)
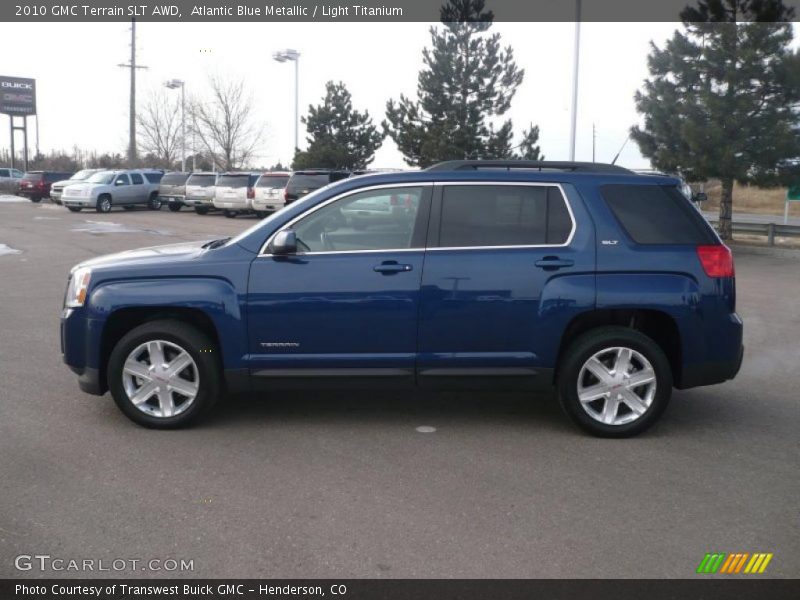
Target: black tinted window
(657, 214)
(174, 178)
(154, 177)
(503, 215)
(233, 181)
(309, 182)
(137, 179)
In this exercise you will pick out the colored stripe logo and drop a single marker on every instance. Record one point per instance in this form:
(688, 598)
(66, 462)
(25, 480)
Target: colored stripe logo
(734, 563)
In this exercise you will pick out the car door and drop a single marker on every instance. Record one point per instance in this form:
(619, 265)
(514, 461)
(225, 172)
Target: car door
(122, 189)
(138, 190)
(346, 304)
(493, 249)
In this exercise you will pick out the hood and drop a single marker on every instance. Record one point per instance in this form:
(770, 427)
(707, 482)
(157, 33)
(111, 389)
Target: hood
(150, 256)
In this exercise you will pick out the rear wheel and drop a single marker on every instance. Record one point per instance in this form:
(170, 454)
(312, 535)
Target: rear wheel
(75, 208)
(154, 203)
(261, 214)
(229, 213)
(614, 382)
(174, 206)
(164, 374)
(103, 204)
(35, 199)
(201, 210)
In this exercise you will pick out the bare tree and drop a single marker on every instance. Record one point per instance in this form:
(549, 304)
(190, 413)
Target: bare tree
(160, 127)
(225, 126)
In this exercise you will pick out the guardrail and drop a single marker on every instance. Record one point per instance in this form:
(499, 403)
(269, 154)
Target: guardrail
(771, 230)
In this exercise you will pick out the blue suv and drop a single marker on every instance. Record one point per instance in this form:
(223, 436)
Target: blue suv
(604, 284)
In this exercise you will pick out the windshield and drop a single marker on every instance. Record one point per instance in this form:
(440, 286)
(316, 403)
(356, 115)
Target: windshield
(81, 175)
(267, 223)
(101, 177)
(33, 176)
(201, 180)
(273, 181)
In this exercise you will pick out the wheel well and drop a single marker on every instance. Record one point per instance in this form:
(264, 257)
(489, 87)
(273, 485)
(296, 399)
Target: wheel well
(657, 325)
(123, 320)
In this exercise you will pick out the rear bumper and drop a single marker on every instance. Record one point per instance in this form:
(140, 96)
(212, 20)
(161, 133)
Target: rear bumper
(710, 372)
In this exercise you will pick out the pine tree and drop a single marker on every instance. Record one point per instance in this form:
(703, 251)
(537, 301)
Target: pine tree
(468, 79)
(722, 97)
(339, 137)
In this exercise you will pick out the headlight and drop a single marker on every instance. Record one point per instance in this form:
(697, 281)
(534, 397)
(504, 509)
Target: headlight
(78, 287)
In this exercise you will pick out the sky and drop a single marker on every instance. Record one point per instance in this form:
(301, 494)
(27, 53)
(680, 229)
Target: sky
(82, 95)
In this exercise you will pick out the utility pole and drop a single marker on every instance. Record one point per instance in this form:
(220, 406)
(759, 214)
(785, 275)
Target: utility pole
(576, 61)
(594, 141)
(132, 66)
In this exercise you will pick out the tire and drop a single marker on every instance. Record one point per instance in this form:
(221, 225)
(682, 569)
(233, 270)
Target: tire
(201, 210)
(154, 203)
(103, 204)
(174, 206)
(35, 199)
(229, 213)
(75, 208)
(261, 214)
(636, 407)
(203, 373)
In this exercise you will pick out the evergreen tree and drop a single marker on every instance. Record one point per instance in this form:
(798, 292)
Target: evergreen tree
(722, 97)
(467, 80)
(338, 136)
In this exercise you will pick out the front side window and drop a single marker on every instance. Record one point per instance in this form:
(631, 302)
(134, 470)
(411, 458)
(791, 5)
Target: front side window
(382, 219)
(503, 215)
(121, 180)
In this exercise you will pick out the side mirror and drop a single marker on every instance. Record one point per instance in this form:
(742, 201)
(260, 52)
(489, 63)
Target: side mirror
(700, 197)
(119, 182)
(284, 242)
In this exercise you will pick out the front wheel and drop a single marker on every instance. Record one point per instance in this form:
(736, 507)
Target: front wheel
(201, 210)
(229, 213)
(154, 203)
(174, 206)
(75, 208)
(103, 204)
(164, 374)
(35, 199)
(614, 382)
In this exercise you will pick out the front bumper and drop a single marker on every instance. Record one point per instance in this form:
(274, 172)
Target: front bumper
(80, 343)
(76, 201)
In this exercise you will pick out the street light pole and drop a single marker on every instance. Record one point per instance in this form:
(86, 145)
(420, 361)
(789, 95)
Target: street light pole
(173, 84)
(576, 59)
(293, 55)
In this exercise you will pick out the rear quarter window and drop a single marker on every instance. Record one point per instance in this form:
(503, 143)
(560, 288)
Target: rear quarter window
(153, 177)
(657, 214)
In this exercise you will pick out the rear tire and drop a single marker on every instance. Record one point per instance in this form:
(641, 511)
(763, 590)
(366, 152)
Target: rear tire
(154, 203)
(165, 407)
(229, 213)
(75, 208)
(262, 214)
(103, 204)
(201, 210)
(174, 206)
(599, 382)
(35, 199)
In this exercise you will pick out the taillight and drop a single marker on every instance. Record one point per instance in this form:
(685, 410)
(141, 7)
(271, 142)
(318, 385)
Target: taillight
(717, 260)
(251, 193)
(286, 195)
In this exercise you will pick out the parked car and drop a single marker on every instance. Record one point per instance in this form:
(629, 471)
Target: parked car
(106, 189)
(172, 189)
(57, 188)
(234, 193)
(7, 174)
(200, 192)
(580, 277)
(302, 183)
(35, 185)
(270, 192)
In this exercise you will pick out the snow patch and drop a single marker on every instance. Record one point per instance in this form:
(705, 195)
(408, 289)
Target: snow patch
(8, 250)
(8, 199)
(103, 227)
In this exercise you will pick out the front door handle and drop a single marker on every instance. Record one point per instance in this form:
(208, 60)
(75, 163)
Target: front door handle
(391, 267)
(554, 262)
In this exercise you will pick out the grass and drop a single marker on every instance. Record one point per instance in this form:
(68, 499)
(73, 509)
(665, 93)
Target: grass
(751, 199)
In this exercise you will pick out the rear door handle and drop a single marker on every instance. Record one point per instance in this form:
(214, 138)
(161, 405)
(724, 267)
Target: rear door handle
(390, 268)
(554, 262)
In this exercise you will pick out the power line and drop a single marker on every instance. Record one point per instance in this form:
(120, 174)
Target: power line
(132, 66)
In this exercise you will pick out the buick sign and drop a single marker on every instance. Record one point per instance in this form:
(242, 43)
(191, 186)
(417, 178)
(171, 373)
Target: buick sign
(17, 96)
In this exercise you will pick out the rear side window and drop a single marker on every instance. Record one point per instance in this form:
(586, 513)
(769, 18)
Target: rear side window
(136, 179)
(503, 215)
(657, 214)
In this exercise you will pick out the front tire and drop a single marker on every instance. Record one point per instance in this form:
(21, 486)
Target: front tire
(154, 203)
(75, 208)
(164, 374)
(174, 206)
(201, 210)
(103, 204)
(229, 213)
(35, 199)
(614, 382)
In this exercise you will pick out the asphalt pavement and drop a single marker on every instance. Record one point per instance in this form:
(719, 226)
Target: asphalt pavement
(346, 484)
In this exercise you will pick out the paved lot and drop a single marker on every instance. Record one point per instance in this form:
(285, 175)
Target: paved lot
(342, 485)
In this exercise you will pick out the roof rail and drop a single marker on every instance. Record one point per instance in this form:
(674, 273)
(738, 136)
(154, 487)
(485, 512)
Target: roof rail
(575, 167)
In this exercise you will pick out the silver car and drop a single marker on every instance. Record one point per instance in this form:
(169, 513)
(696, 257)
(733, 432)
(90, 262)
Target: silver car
(57, 189)
(200, 192)
(235, 192)
(105, 189)
(270, 192)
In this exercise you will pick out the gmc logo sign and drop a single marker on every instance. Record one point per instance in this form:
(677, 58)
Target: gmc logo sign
(16, 86)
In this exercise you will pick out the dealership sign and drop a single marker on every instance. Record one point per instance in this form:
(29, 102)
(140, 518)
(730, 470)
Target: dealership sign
(17, 96)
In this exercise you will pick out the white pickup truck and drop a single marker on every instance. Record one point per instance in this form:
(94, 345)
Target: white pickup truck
(125, 188)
